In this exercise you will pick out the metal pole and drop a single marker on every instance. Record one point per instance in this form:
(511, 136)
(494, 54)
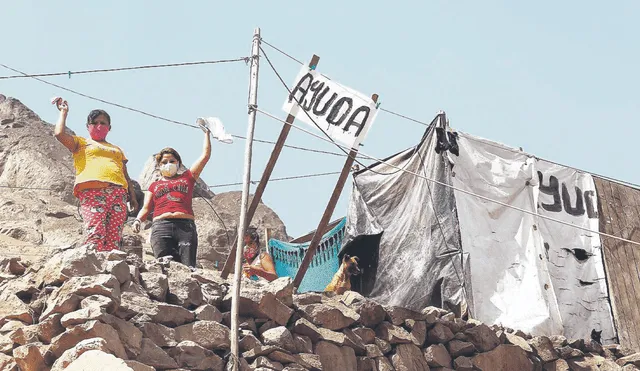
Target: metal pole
(237, 278)
(266, 175)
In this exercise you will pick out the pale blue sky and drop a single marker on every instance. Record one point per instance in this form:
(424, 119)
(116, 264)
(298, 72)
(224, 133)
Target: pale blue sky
(559, 79)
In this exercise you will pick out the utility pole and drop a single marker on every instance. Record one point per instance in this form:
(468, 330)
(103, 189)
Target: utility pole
(242, 225)
(266, 175)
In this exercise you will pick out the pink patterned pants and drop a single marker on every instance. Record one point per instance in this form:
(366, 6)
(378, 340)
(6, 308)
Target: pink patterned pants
(104, 211)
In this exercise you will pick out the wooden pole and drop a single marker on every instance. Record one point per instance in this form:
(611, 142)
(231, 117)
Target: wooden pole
(266, 175)
(317, 236)
(237, 279)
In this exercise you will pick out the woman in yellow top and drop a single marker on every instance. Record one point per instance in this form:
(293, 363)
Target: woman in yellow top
(102, 180)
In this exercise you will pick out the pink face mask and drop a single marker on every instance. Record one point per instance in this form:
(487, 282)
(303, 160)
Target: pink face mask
(250, 252)
(98, 132)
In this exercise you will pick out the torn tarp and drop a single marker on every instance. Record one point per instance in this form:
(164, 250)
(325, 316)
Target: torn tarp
(531, 273)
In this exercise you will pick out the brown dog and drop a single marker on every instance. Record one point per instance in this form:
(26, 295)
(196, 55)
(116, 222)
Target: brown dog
(341, 281)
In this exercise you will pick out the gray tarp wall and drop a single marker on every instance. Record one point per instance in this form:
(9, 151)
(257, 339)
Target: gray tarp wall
(418, 261)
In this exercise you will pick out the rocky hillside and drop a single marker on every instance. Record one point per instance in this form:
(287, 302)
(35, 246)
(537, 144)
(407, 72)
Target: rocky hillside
(46, 216)
(29, 154)
(79, 310)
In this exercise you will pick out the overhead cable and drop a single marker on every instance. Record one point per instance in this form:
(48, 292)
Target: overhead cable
(160, 117)
(82, 72)
(304, 176)
(380, 161)
(423, 123)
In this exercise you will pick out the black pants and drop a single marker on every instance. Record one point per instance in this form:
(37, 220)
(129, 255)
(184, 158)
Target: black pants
(177, 238)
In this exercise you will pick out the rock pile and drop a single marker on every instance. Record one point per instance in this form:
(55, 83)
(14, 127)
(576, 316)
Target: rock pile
(80, 310)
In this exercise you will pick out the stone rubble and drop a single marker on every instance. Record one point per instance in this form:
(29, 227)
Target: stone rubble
(82, 310)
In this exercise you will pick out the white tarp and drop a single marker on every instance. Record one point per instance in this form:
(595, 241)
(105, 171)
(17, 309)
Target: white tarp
(527, 272)
(341, 112)
(574, 256)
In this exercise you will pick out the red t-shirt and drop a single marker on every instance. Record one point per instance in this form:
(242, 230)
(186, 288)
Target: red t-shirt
(173, 195)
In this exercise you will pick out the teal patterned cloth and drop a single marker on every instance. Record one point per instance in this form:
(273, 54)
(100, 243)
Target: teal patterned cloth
(288, 257)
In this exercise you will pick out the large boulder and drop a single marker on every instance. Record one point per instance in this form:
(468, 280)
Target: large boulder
(265, 300)
(74, 353)
(133, 304)
(31, 157)
(503, 358)
(97, 360)
(194, 357)
(409, 357)
(333, 357)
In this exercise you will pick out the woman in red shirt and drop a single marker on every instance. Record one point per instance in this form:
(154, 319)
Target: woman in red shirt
(174, 230)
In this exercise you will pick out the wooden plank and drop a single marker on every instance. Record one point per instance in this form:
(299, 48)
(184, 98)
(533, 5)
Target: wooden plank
(634, 228)
(612, 279)
(620, 216)
(635, 232)
(315, 241)
(625, 219)
(630, 200)
(611, 261)
(266, 175)
(620, 267)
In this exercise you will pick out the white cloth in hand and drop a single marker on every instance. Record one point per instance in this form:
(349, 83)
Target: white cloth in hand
(217, 129)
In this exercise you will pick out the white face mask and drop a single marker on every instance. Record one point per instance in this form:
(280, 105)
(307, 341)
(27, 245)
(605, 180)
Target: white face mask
(169, 169)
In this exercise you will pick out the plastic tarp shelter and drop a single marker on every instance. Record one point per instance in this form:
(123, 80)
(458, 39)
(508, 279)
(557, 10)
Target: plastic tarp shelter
(405, 231)
(424, 243)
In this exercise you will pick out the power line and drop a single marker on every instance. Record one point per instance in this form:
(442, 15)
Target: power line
(380, 161)
(623, 182)
(31, 188)
(404, 117)
(160, 117)
(69, 73)
(101, 100)
(293, 177)
(281, 52)
(330, 140)
(292, 146)
(279, 179)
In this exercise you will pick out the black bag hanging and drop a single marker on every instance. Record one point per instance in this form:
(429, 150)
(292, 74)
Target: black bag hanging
(442, 144)
(453, 143)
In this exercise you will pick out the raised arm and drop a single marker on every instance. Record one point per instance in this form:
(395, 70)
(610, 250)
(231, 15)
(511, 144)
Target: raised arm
(199, 165)
(61, 135)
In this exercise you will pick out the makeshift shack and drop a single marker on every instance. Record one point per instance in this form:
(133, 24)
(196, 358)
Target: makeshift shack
(487, 230)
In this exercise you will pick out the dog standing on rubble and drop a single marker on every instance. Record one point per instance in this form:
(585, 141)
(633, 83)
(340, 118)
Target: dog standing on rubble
(341, 281)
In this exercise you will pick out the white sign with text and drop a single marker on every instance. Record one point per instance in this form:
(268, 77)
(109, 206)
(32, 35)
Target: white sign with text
(343, 113)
